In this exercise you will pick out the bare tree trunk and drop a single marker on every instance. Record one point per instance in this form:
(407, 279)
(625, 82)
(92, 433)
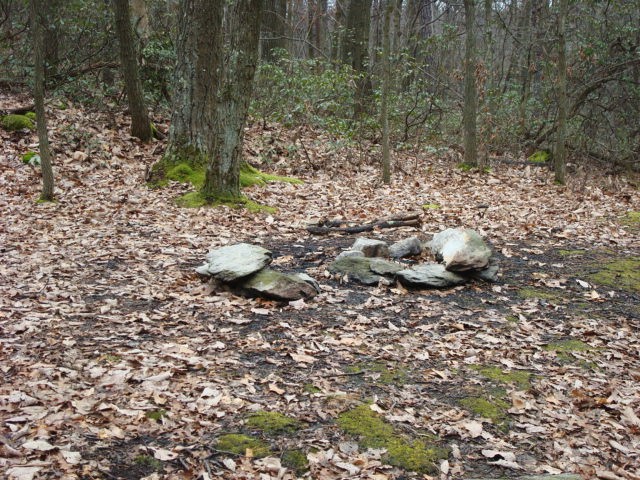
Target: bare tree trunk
(470, 90)
(196, 81)
(386, 87)
(37, 9)
(559, 158)
(140, 124)
(222, 178)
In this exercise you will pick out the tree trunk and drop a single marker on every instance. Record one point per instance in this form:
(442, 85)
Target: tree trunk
(559, 158)
(355, 49)
(222, 178)
(386, 87)
(196, 81)
(274, 21)
(37, 9)
(140, 124)
(470, 89)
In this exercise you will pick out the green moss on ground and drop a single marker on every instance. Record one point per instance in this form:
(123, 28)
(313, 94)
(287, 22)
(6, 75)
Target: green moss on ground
(402, 451)
(31, 116)
(250, 176)
(492, 407)
(520, 378)
(431, 206)
(632, 218)
(465, 167)
(564, 350)
(623, 274)
(272, 423)
(31, 158)
(156, 415)
(571, 253)
(196, 200)
(148, 461)
(388, 376)
(239, 444)
(295, 460)
(540, 156)
(311, 388)
(14, 123)
(185, 173)
(540, 294)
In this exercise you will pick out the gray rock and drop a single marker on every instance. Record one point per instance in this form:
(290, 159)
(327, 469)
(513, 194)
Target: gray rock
(231, 263)
(350, 253)
(461, 249)
(429, 275)
(369, 271)
(489, 274)
(310, 280)
(406, 248)
(371, 248)
(279, 286)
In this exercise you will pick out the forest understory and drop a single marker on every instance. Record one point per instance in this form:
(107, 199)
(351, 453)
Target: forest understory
(118, 361)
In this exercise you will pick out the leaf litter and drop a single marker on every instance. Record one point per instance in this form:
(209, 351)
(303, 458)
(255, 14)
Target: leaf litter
(118, 362)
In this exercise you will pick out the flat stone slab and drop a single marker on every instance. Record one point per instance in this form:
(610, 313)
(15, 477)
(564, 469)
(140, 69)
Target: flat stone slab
(371, 248)
(368, 271)
(429, 275)
(279, 286)
(233, 262)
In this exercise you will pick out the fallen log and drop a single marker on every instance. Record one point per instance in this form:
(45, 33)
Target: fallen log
(325, 227)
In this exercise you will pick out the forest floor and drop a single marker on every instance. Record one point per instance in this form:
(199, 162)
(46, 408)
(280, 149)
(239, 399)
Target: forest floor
(118, 361)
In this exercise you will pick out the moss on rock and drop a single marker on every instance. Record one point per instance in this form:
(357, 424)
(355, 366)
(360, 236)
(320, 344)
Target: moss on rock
(272, 423)
(239, 444)
(31, 116)
(402, 451)
(14, 123)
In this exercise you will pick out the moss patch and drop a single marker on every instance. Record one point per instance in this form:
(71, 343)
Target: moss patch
(387, 375)
(311, 388)
(250, 176)
(272, 423)
(632, 218)
(156, 415)
(571, 253)
(623, 274)
(196, 200)
(148, 461)
(564, 350)
(31, 116)
(13, 123)
(239, 444)
(465, 167)
(185, 173)
(295, 460)
(431, 206)
(402, 451)
(521, 379)
(540, 294)
(494, 408)
(541, 156)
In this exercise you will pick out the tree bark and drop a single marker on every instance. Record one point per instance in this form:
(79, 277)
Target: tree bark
(470, 89)
(559, 157)
(196, 81)
(222, 179)
(140, 124)
(37, 9)
(355, 46)
(386, 87)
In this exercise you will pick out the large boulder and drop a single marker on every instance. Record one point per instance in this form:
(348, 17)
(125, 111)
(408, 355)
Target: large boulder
(429, 275)
(406, 248)
(460, 249)
(368, 271)
(370, 247)
(234, 262)
(280, 286)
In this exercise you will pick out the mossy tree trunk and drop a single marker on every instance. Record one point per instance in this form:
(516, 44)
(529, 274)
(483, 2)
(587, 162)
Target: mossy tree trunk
(140, 124)
(196, 81)
(470, 89)
(222, 179)
(37, 9)
(559, 158)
